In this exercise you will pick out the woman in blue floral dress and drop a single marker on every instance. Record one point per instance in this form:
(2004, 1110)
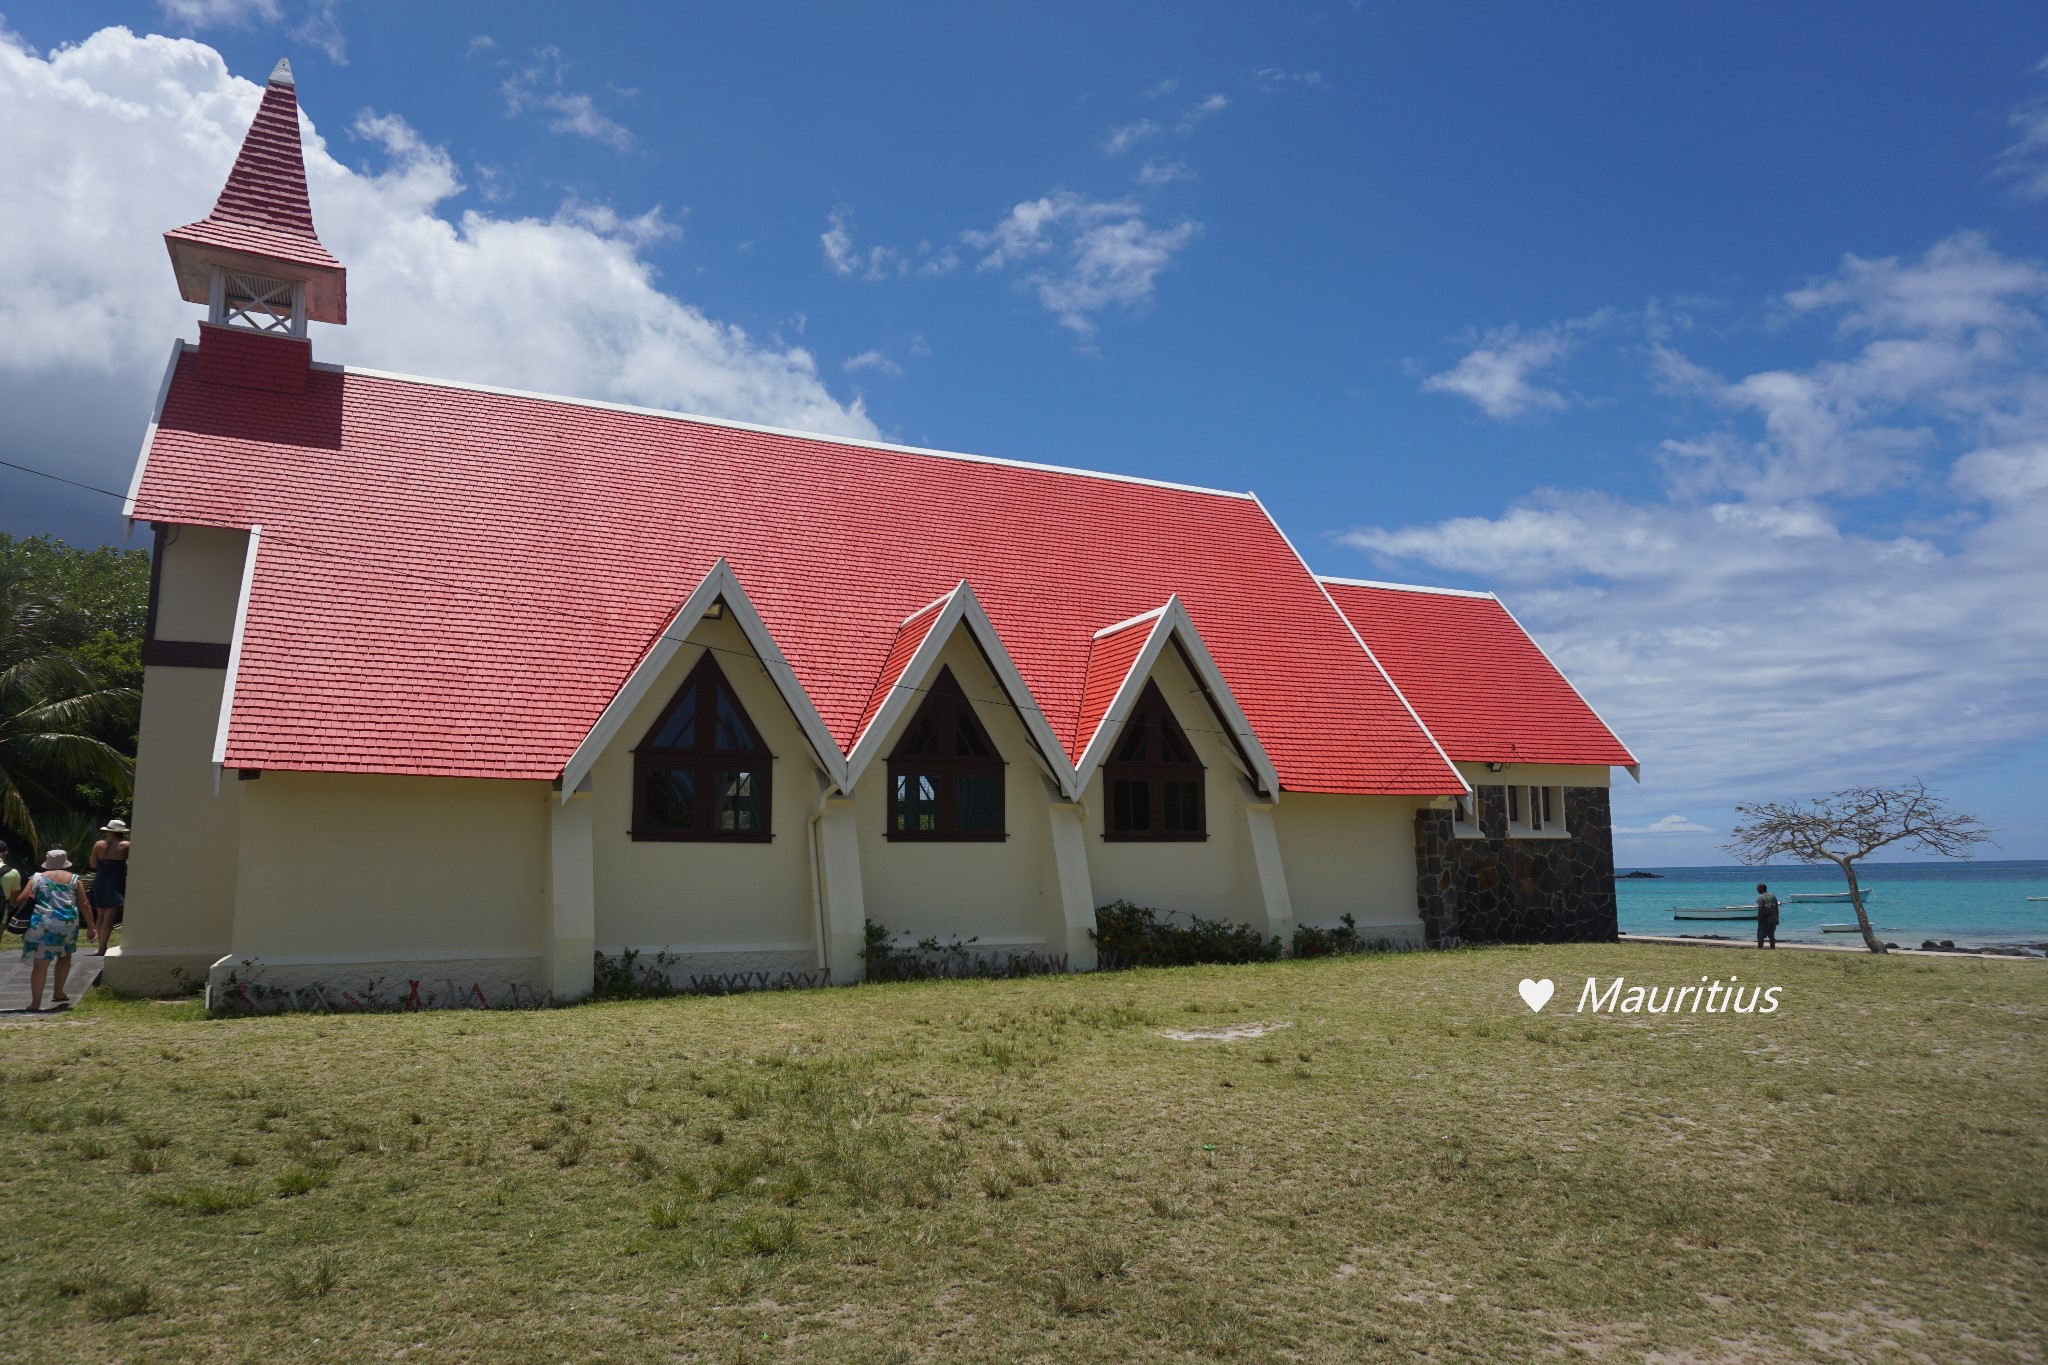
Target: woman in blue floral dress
(52, 926)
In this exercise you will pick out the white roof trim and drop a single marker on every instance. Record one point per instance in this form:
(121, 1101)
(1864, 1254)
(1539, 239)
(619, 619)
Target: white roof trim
(1385, 676)
(156, 417)
(720, 584)
(856, 442)
(227, 691)
(1174, 623)
(1122, 626)
(927, 608)
(1633, 767)
(1401, 587)
(962, 608)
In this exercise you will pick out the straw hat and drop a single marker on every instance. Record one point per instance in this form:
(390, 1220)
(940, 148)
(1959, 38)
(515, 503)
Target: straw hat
(56, 860)
(114, 827)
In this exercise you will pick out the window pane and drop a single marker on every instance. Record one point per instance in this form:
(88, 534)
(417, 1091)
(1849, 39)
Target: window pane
(922, 739)
(967, 743)
(1174, 747)
(974, 805)
(733, 733)
(1137, 739)
(679, 731)
(1549, 818)
(739, 803)
(1183, 807)
(1130, 806)
(1515, 804)
(668, 798)
(916, 801)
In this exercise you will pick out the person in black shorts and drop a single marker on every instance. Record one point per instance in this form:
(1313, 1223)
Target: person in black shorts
(109, 880)
(1766, 916)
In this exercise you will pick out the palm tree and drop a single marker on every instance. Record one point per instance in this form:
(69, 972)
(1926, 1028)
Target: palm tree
(52, 710)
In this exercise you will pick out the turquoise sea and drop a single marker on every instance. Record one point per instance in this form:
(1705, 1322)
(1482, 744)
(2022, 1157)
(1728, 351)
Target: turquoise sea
(1973, 903)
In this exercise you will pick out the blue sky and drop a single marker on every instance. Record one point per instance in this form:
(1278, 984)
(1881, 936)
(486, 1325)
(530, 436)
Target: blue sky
(1710, 336)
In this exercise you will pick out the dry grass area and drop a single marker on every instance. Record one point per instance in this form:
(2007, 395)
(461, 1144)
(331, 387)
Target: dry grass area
(1032, 1171)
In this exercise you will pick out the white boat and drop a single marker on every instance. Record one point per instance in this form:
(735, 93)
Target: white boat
(2038, 898)
(1819, 897)
(1841, 928)
(1725, 912)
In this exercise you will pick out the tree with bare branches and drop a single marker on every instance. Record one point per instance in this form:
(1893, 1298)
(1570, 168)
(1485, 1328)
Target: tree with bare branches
(1854, 824)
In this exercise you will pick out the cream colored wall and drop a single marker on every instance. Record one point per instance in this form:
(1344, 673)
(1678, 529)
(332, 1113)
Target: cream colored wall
(1005, 894)
(1217, 878)
(339, 867)
(181, 883)
(1350, 855)
(752, 899)
(199, 583)
(1538, 775)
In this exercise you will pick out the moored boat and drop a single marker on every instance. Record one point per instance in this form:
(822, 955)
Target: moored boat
(1822, 897)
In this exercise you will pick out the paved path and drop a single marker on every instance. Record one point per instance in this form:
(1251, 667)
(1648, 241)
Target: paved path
(1856, 947)
(85, 969)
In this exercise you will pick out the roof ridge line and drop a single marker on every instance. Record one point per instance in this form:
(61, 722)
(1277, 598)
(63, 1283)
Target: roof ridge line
(1125, 624)
(857, 442)
(1403, 587)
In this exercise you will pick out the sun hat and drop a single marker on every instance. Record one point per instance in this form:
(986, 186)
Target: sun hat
(114, 827)
(56, 860)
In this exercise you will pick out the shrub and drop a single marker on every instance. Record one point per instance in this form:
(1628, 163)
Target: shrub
(931, 960)
(1310, 941)
(1129, 935)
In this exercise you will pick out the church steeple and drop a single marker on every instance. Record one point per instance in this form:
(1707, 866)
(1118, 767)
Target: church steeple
(255, 261)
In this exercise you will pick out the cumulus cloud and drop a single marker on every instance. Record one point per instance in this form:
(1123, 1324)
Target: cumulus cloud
(542, 85)
(1158, 171)
(119, 137)
(321, 28)
(1501, 374)
(1771, 623)
(1081, 256)
(1670, 824)
(1201, 112)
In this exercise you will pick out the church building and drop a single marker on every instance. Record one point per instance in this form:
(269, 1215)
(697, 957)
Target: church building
(448, 682)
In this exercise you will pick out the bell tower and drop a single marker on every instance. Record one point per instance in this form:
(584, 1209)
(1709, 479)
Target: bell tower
(256, 262)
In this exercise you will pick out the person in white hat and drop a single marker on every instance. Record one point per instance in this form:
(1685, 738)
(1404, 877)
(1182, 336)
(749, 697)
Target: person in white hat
(53, 927)
(109, 881)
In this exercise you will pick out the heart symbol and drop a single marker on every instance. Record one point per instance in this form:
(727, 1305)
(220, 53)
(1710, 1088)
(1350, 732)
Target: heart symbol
(1536, 994)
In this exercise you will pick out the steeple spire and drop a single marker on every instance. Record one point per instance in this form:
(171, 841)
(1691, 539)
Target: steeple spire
(256, 260)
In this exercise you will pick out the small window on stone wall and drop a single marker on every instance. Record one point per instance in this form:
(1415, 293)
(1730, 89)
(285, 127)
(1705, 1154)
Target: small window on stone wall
(1465, 816)
(1536, 812)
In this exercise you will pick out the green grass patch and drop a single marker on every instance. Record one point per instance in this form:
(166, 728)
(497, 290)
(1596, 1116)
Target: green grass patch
(998, 1170)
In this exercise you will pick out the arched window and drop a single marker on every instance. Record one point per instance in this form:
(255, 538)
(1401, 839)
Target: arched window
(945, 777)
(702, 772)
(1154, 778)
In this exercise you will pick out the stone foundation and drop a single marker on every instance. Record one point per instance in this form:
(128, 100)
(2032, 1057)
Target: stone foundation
(1494, 889)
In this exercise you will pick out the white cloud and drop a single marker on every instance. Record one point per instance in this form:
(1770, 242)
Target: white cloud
(1500, 374)
(480, 44)
(1670, 824)
(220, 13)
(321, 28)
(1122, 139)
(1161, 172)
(119, 137)
(1201, 112)
(1764, 626)
(878, 263)
(542, 85)
(2026, 161)
(873, 360)
(1272, 80)
(1082, 255)
(1161, 89)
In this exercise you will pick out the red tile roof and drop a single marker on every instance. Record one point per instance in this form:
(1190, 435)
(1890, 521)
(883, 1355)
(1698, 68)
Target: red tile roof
(263, 210)
(909, 636)
(1110, 656)
(1483, 687)
(456, 581)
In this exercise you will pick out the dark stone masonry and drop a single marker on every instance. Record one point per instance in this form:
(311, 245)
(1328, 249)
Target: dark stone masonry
(1494, 889)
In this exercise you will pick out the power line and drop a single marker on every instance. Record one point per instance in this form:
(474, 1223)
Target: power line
(1235, 736)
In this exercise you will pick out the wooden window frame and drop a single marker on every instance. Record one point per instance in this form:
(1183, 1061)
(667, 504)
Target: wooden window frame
(1154, 771)
(953, 706)
(704, 761)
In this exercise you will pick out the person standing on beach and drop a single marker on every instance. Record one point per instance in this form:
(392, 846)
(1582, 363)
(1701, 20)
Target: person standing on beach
(109, 881)
(1766, 916)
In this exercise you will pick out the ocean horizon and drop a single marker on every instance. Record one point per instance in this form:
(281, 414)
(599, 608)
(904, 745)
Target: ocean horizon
(1979, 903)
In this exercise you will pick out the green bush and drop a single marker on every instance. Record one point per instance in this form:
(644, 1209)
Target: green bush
(1345, 938)
(1129, 935)
(930, 960)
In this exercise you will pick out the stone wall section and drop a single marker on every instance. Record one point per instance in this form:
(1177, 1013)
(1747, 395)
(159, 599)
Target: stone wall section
(1494, 889)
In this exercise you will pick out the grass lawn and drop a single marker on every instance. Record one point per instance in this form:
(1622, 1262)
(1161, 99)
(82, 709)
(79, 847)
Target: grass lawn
(1030, 1170)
